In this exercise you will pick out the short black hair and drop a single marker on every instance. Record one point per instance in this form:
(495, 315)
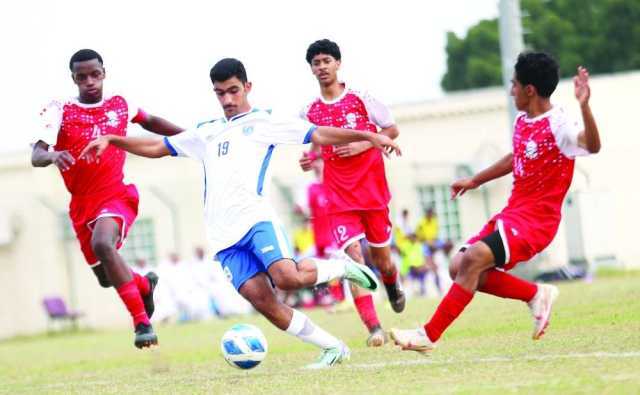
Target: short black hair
(228, 68)
(323, 46)
(82, 55)
(538, 69)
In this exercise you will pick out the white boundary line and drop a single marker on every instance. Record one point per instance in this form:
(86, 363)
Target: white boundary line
(427, 361)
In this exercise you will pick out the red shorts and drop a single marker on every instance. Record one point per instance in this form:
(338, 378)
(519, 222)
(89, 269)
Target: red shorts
(350, 226)
(84, 211)
(521, 240)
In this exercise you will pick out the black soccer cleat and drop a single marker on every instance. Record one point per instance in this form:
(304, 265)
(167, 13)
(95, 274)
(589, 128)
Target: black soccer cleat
(396, 296)
(145, 336)
(149, 306)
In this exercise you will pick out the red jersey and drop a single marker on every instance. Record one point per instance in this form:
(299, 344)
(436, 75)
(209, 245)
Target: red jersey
(72, 125)
(544, 151)
(318, 209)
(356, 182)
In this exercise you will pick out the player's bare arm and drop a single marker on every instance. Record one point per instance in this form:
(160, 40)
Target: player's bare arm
(325, 135)
(42, 157)
(501, 168)
(589, 138)
(159, 125)
(356, 148)
(141, 146)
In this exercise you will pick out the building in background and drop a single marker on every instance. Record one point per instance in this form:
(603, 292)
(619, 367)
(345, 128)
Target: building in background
(442, 139)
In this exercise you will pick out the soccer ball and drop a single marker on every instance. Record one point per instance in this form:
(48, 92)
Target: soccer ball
(244, 346)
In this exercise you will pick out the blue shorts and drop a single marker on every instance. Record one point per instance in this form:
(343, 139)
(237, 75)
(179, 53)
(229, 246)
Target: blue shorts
(264, 244)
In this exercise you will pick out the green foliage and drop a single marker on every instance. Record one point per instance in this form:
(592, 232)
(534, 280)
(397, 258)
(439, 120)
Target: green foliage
(598, 34)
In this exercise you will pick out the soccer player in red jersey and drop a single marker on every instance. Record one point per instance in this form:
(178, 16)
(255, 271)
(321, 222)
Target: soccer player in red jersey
(318, 210)
(545, 144)
(354, 177)
(102, 207)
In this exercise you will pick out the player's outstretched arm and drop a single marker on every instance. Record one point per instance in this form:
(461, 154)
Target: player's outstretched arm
(142, 146)
(356, 148)
(589, 138)
(41, 157)
(159, 125)
(501, 168)
(325, 135)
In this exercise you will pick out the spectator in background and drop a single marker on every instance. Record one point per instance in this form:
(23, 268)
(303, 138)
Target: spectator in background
(404, 224)
(428, 228)
(141, 266)
(417, 262)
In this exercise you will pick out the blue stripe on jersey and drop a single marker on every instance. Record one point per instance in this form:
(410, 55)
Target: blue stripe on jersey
(307, 138)
(263, 169)
(172, 150)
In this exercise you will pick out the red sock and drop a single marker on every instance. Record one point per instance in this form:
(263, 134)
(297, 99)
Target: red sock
(389, 279)
(131, 298)
(367, 311)
(142, 283)
(448, 310)
(505, 285)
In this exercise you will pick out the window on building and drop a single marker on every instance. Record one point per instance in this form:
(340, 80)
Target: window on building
(438, 197)
(140, 243)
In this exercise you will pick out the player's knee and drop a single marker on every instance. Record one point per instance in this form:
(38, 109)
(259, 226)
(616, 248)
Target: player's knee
(102, 248)
(473, 261)
(454, 267)
(286, 282)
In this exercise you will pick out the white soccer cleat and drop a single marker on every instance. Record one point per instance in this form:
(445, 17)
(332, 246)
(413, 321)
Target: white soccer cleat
(331, 357)
(540, 307)
(412, 339)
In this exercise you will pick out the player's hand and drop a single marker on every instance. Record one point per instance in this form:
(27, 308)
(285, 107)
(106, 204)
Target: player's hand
(461, 186)
(384, 144)
(581, 86)
(94, 150)
(305, 162)
(63, 160)
(352, 149)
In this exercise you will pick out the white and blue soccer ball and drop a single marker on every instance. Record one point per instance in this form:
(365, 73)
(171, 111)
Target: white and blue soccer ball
(244, 346)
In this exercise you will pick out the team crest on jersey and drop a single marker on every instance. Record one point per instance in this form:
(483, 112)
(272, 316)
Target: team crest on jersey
(351, 120)
(531, 149)
(227, 274)
(247, 130)
(112, 118)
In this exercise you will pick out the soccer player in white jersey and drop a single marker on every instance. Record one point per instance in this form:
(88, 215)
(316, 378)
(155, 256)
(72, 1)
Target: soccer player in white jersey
(243, 229)
(545, 144)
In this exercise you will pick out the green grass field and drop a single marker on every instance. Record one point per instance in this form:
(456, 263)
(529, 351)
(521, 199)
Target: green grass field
(592, 346)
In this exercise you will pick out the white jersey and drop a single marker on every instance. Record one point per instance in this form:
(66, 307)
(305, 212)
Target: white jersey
(236, 154)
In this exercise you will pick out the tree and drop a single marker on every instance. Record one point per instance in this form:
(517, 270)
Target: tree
(598, 34)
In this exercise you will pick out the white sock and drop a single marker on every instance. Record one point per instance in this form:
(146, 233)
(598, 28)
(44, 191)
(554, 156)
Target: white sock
(305, 330)
(328, 269)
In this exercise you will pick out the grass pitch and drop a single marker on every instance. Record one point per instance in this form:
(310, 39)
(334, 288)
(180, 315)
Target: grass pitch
(591, 346)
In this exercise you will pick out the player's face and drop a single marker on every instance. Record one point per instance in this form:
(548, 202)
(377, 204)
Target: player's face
(88, 75)
(325, 68)
(232, 95)
(520, 94)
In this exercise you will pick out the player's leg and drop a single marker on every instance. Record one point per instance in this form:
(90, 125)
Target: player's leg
(104, 241)
(377, 227)
(259, 292)
(363, 301)
(476, 259)
(268, 242)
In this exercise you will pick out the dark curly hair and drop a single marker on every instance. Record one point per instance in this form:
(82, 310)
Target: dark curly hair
(323, 46)
(538, 69)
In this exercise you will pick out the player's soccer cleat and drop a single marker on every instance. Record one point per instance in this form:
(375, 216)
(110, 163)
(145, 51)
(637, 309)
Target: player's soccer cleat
(359, 274)
(396, 296)
(149, 306)
(145, 336)
(377, 338)
(331, 356)
(540, 307)
(412, 339)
